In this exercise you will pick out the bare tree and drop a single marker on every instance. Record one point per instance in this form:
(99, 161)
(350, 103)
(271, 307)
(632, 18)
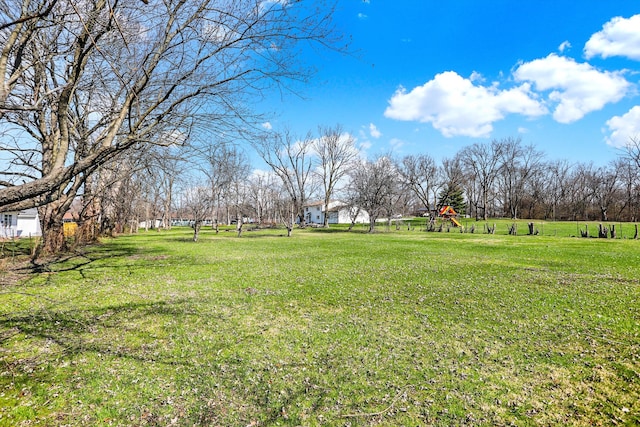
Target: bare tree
(631, 151)
(373, 186)
(335, 150)
(290, 159)
(196, 201)
(128, 74)
(116, 198)
(580, 192)
(262, 196)
(20, 21)
(283, 206)
(605, 189)
(517, 165)
(482, 163)
(555, 194)
(629, 181)
(218, 162)
(421, 175)
(238, 170)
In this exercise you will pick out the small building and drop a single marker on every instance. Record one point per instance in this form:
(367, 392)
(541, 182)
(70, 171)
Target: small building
(339, 213)
(314, 213)
(15, 224)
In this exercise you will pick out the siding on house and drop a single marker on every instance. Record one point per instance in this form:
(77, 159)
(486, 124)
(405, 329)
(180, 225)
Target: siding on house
(23, 223)
(338, 213)
(313, 213)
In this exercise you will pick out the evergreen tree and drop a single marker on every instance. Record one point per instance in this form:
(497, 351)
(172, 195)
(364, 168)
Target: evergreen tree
(452, 196)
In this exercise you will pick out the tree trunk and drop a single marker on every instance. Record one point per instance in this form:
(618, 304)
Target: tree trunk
(146, 217)
(603, 231)
(603, 214)
(585, 233)
(239, 226)
(88, 230)
(196, 230)
(484, 205)
(491, 230)
(325, 219)
(53, 240)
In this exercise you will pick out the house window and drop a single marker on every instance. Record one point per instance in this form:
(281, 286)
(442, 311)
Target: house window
(7, 220)
(318, 217)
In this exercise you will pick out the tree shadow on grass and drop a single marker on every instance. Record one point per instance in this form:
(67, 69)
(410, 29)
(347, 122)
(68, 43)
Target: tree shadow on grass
(20, 271)
(41, 348)
(80, 331)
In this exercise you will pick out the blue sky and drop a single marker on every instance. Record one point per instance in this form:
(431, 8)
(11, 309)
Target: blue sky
(435, 76)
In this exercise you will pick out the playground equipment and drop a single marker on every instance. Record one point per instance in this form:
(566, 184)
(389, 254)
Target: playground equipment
(448, 213)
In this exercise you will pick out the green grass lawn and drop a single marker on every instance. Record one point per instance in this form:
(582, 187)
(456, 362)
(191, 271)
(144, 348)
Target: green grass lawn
(326, 328)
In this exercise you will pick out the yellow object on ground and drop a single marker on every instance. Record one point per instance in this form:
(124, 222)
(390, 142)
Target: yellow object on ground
(69, 229)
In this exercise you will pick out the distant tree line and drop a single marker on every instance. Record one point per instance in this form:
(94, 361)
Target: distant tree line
(138, 112)
(499, 178)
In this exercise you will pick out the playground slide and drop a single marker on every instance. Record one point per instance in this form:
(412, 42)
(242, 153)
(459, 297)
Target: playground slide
(455, 221)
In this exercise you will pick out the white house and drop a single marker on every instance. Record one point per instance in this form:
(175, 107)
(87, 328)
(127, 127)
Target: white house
(23, 223)
(339, 213)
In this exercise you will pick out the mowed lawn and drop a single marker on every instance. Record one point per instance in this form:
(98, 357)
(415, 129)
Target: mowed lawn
(325, 328)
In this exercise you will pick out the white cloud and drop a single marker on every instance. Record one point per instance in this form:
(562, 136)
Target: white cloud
(260, 173)
(217, 33)
(564, 46)
(624, 127)
(374, 132)
(577, 89)
(364, 145)
(267, 125)
(476, 77)
(619, 37)
(456, 106)
(362, 16)
(523, 130)
(396, 143)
